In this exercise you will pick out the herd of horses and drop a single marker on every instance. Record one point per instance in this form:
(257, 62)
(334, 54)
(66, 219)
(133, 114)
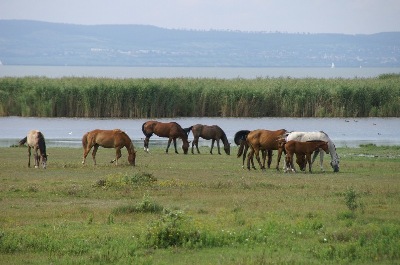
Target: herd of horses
(300, 144)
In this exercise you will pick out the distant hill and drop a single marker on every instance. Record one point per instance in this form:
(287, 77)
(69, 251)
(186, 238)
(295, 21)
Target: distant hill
(40, 43)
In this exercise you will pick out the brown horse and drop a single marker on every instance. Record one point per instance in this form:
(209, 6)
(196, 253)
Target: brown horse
(302, 149)
(214, 133)
(300, 159)
(108, 139)
(240, 140)
(35, 140)
(172, 130)
(264, 140)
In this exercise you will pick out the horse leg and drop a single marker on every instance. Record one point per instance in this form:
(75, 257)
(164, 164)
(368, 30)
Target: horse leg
(176, 150)
(36, 157)
(169, 143)
(94, 153)
(308, 157)
(212, 145)
(269, 158)
(246, 147)
(219, 152)
(117, 156)
(29, 156)
(250, 158)
(321, 160)
(279, 159)
(85, 153)
(257, 152)
(146, 144)
(196, 143)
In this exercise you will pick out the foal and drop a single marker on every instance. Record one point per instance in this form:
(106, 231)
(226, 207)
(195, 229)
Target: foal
(303, 149)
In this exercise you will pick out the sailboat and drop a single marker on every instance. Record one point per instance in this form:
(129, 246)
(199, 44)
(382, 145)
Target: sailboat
(333, 65)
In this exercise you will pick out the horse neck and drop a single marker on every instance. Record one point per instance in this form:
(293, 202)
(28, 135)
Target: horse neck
(42, 147)
(332, 151)
(224, 139)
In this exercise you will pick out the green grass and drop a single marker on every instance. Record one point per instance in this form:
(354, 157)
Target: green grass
(176, 209)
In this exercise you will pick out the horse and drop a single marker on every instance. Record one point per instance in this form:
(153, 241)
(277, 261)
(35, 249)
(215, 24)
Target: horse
(35, 140)
(264, 140)
(213, 133)
(108, 139)
(303, 149)
(240, 140)
(172, 130)
(314, 136)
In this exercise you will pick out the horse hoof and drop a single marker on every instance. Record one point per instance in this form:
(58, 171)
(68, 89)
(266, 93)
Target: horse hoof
(36, 167)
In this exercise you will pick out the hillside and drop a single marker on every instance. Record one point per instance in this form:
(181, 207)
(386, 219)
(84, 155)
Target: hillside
(41, 43)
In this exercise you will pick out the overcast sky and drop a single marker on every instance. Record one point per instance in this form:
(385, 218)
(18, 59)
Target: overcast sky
(313, 16)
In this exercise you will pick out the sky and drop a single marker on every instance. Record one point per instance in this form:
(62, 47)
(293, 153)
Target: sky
(292, 16)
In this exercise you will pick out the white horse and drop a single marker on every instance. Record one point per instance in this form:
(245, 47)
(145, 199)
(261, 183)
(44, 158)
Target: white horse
(314, 136)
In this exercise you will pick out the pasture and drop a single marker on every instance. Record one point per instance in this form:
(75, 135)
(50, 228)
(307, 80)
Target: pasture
(202, 209)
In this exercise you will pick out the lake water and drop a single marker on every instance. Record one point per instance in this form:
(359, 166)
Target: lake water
(67, 132)
(194, 72)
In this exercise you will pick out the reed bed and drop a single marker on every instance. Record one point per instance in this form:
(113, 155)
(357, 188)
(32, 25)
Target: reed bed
(200, 97)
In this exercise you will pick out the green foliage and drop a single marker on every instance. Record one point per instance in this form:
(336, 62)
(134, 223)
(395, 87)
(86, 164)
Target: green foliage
(147, 205)
(190, 97)
(351, 199)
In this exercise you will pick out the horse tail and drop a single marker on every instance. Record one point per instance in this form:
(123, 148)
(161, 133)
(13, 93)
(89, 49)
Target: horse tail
(23, 141)
(85, 140)
(145, 132)
(187, 130)
(241, 136)
(241, 148)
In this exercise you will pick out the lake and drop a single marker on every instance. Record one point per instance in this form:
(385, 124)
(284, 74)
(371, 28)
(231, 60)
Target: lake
(190, 72)
(67, 132)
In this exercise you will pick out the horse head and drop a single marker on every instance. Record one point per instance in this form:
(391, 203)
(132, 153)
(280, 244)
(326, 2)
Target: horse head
(227, 148)
(44, 160)
(132, 155)
(185, 146)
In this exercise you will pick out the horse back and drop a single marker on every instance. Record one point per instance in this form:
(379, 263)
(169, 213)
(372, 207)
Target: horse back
(34, 137)
(265, 138)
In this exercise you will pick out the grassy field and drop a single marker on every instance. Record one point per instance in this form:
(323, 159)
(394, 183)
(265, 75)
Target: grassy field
(198, 209)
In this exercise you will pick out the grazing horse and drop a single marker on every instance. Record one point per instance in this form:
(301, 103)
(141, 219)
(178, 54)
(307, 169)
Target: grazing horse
(303, 149)
(35, 140)
(214, 133)
(317, 136)
(108, 139)
(172, 130)
(264, 140)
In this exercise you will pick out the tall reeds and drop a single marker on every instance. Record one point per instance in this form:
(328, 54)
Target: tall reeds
(193, 97)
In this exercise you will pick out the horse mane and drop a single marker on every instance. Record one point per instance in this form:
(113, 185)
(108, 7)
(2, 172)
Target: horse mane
(42, 144)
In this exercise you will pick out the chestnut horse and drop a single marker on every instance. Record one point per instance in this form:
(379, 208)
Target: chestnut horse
(240, 140)
(303, 149)
(172, 130)
(214, 133)
(108, 139)
(35, 140)
(264, 140)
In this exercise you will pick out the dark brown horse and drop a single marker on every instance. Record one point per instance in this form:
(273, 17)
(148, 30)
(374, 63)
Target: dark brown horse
(264, 140)
(303, 149)
(108, 139)
(171, 130)
(213, 133)
(35, 140)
